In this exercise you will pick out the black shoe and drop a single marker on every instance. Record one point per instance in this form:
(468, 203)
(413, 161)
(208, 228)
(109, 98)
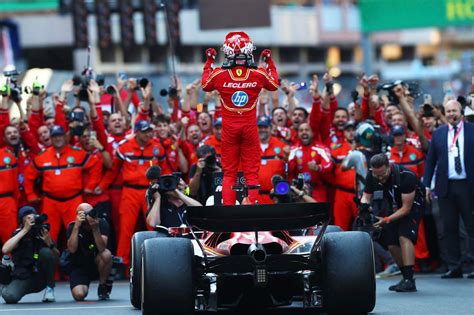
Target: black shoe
(395, 286)
(471, 275)
(407, 285)
(452, 274)
(103, 292)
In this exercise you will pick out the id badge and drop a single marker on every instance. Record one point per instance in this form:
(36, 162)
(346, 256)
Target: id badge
(57, 172)
(455, 152)
(140, 162)
(264, 162)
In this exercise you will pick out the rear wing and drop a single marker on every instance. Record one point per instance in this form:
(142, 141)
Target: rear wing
(248, 218)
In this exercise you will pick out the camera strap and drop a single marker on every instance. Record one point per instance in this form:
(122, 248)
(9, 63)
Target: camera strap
(395, 189)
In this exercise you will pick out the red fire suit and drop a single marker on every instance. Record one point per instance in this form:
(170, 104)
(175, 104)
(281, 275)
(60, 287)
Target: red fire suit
(9, 193)
(272, 162)
(62, 184)
(298, 161)
(239, 88)
(345, 209)
(412, 159)
(133, 161)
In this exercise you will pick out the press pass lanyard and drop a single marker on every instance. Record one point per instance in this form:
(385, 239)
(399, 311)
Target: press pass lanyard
(455, 138)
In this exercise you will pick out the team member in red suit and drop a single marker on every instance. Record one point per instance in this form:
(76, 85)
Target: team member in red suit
(344, 181)
(239, 83)
(61, 168)
(9, 193)
(133, 157)
(272, 159)
(312, 160)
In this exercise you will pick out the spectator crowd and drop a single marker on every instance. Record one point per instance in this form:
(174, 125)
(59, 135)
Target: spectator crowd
(98, 151)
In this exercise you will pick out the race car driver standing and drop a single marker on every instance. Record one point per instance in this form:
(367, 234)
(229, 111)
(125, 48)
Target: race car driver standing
(239, 82)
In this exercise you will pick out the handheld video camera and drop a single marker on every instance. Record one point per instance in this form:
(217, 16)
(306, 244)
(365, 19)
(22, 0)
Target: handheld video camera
(171, 92)
(11, 87)
(413, 89)
(365, 221)
(82, 80)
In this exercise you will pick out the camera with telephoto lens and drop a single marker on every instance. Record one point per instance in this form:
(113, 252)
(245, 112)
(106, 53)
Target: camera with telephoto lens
(365, 221)
(91, 213)
(388, 88)
(40, 224)
(169, 182)
(141, 83)
(171, 92)
(282, 188)
(211, 161)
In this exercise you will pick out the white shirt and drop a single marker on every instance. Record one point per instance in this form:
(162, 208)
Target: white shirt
(453, 151)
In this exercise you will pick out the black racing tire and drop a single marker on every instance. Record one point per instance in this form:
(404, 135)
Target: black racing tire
(348, 272)
(168, 276)
(136, 265)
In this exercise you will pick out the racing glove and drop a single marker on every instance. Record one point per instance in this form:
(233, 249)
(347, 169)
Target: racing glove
(211, 54)
(266, 55)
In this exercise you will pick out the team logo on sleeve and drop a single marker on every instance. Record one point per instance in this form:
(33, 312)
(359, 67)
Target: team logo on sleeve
(240, 98)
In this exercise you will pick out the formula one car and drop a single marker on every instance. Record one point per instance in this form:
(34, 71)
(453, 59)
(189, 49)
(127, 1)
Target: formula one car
(247, 259)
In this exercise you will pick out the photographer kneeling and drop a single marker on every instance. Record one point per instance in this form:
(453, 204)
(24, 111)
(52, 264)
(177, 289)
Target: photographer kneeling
(169, 203)
(402, 196)
(87, 243)
(34, 256)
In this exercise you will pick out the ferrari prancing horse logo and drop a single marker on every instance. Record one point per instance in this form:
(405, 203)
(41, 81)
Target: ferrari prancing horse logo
(239, 72)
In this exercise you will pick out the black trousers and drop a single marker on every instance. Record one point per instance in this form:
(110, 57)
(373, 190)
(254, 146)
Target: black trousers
(17, 289)
(458, 202)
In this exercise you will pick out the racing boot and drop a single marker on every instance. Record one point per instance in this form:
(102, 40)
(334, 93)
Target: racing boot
(406, 285)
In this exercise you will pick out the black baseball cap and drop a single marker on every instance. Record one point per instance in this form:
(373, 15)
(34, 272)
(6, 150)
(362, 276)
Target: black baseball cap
(264, 121)
(24, 211)
(142, 125)
(56, 130)
(397, 130)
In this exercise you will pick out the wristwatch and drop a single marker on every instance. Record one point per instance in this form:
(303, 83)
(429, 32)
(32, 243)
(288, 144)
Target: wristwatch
(301, 194)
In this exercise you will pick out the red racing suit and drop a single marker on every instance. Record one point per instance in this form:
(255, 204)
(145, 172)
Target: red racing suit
(239, 88)
(9, 193)
(272, 162)
(298, 161)
(344, 182)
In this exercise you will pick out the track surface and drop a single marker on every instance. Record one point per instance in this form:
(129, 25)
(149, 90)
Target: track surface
(434, 296)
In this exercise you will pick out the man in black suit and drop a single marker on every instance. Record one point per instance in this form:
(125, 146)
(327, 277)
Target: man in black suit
(451, 153)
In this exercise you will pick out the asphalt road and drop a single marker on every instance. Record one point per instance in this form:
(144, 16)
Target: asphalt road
(434, 296)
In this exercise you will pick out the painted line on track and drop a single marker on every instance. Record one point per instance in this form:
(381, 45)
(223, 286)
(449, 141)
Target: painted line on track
(62, 308)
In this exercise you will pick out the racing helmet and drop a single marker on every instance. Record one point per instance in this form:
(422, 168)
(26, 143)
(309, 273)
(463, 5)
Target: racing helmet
(236, 43)
(238, 50)
(365, 134)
